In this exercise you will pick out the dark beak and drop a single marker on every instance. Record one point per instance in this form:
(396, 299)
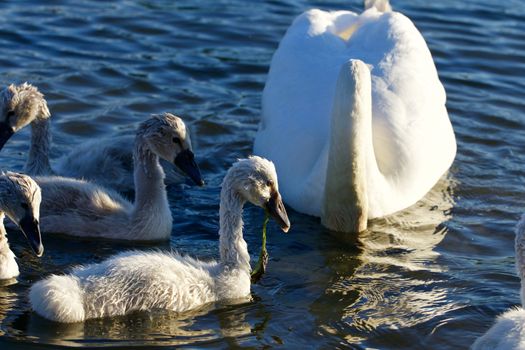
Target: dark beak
(6, 131)
(185, 160)
(30, 228)
(275, 208)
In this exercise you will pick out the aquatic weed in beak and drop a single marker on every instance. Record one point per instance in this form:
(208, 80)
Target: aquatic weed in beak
(262, 262)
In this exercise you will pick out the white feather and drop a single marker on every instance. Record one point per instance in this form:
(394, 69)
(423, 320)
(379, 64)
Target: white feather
(139, 281)
(412, 139)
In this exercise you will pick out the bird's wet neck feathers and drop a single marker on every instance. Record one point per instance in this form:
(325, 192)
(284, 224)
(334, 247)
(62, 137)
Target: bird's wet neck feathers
(38, 158)
(345, 206)
(151, 201)
(233, 247)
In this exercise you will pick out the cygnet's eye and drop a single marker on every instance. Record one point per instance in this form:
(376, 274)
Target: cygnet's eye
(10, 114)
(269, 183)
(177, 141)
(24, 206)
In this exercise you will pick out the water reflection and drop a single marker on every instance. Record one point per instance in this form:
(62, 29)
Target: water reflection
(153, 328)
(392, 278)
(407, 240)
(8, 299)
(156, 328)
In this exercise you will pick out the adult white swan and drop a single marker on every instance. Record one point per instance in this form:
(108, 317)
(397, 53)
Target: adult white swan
(108, 162)
(354, 117)
(20, 200)
(508, 333)
(139, 281)
(79, 208)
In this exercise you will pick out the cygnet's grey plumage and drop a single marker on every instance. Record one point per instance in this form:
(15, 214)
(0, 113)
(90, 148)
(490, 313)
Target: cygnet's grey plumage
(140, 281)
(79, 208)
(107, 162)
(22, 105)
(20, 200)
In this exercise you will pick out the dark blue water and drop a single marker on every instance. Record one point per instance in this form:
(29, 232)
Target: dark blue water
(432, 277)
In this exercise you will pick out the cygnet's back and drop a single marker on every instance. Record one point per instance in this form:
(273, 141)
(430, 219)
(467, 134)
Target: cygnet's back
(80, 208)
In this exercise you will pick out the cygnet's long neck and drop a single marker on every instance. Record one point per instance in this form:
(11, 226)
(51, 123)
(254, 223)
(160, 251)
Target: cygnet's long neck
(233, 247)
(151, 207)
(8, 265)
(520, 255)
(345, 206)
(38, 158)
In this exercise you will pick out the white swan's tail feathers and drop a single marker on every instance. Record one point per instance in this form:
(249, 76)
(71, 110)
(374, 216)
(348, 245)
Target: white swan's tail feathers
(520, 255)
(58, 298)
(380, 5)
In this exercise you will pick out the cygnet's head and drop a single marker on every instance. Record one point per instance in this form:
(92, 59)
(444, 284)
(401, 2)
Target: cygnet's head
(20, 199)
(167, 136)
(20, 105)
(255, 179)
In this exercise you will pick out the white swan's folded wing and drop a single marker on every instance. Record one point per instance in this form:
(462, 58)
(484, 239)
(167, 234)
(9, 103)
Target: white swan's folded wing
(297, 102)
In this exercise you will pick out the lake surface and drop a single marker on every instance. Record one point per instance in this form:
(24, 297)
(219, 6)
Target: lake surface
(432, 277)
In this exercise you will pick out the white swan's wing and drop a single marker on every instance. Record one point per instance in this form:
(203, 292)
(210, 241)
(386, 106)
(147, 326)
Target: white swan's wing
(413, 138)
(297, 101)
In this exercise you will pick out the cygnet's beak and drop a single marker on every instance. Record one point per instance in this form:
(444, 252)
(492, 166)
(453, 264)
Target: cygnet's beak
(185, 160)
(6, 131)
(275, 208)
(31, 229)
